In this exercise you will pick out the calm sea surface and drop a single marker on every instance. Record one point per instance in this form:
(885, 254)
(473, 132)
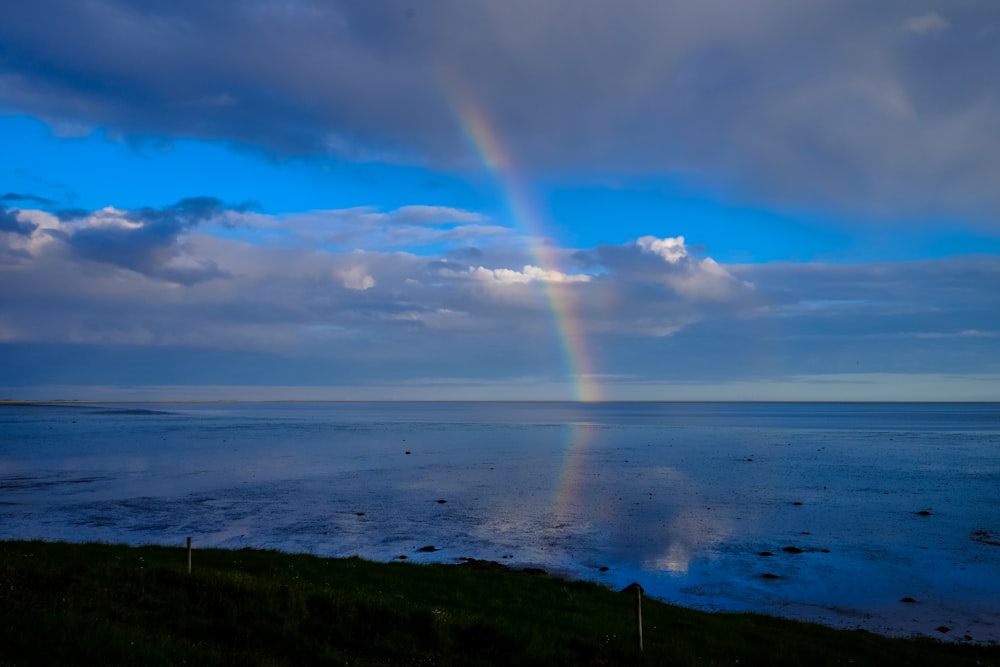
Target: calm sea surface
(859, 505)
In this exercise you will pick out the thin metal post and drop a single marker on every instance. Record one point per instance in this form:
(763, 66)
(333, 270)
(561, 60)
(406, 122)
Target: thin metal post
(638, 614)
(189, 555)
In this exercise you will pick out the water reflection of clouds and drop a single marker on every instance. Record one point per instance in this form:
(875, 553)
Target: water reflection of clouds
(663, 522)
(688, 535)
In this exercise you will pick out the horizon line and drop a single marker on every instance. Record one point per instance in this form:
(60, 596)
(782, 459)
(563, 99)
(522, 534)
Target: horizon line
(33, 401)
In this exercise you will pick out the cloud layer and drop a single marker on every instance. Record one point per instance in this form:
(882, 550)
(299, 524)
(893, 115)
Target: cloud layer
(885, 109)
(233, 295)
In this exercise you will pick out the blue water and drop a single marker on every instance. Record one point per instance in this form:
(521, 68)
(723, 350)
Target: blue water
(681, 497)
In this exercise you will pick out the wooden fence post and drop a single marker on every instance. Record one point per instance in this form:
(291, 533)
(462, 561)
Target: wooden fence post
(637, 589)
(189, 555)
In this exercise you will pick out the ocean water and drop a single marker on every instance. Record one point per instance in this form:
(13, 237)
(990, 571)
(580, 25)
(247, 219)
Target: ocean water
(860, 505)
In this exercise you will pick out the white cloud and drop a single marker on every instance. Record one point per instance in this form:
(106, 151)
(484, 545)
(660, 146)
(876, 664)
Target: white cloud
(45, 224)
(926, 24)
(705, 280)
(528, 274)
(691, 278)
(670, 249)
(111, 217)
(356, 278)
(967, 333)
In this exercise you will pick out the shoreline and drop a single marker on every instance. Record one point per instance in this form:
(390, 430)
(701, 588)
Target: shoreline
(137, 602)
(910, 619)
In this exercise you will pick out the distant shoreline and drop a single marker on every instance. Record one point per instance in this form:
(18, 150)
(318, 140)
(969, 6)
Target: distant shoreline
(32, 401)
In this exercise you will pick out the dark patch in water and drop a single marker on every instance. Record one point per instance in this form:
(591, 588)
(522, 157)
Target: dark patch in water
(132, 411)
(25, 482)
(986, 537)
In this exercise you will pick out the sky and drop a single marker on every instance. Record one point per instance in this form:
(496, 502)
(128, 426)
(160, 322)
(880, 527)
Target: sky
(519, 200)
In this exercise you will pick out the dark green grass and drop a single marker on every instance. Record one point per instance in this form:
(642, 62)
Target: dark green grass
(110, 604)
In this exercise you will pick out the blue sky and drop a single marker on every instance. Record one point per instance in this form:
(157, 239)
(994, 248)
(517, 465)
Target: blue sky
(444, 199)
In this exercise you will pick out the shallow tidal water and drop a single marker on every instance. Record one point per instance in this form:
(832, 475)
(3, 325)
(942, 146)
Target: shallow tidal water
(860, 505)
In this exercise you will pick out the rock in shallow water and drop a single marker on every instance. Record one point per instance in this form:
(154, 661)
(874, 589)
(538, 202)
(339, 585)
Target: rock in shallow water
(477, 564)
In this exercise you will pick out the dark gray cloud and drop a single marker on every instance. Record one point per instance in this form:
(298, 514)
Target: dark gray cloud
(67, 214)
(9, 222)
(907, 318)
(882, 109)
(896, 287)
(145, 240)
(185, 214)
(31, 199)
(468, 254)
(904, 317)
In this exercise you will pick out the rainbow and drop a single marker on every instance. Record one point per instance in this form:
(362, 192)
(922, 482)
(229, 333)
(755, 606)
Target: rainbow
(486, 142)
(569, 486)
(490, 150)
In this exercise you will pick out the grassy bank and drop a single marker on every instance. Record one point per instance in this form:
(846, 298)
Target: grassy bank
(80, 603)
